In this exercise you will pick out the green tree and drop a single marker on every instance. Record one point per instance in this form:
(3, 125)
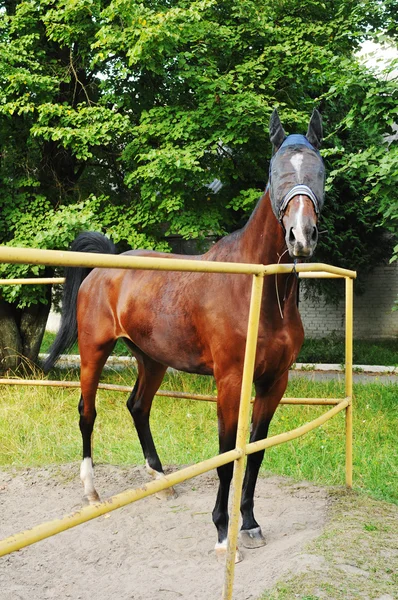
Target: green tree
(116, 115)
(59, 152)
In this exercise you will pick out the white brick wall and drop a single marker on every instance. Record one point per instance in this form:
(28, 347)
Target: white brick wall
(373, 317)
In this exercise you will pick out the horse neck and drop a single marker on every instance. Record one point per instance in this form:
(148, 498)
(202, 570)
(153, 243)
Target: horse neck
(262, 239)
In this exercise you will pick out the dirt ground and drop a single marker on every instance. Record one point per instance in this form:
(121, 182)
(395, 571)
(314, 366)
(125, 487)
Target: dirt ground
(153, 549)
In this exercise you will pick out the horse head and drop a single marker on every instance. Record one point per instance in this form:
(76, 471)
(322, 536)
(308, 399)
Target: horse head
(296, 184)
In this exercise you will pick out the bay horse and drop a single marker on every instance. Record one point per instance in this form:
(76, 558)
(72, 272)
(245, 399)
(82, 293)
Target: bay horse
(197, 322)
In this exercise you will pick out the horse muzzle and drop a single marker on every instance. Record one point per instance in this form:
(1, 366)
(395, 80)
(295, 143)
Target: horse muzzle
(301, 227)
(301, 243)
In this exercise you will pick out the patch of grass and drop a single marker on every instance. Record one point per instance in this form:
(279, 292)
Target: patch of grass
(366, 352)
(39, 426)
(349, 561)
(320, 455)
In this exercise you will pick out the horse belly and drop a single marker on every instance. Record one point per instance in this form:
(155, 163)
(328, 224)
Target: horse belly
(175, 351)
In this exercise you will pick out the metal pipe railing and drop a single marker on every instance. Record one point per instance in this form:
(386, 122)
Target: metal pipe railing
(60, 258)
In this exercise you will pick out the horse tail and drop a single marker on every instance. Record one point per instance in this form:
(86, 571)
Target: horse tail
(87, 241)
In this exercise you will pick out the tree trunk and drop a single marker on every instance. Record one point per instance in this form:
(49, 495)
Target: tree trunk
(21, 334)
(10, 339)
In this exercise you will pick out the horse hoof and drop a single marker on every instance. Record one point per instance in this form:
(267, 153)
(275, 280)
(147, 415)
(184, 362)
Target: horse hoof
(167, 494)
(91, 498)
(221, 553)
(252, 538)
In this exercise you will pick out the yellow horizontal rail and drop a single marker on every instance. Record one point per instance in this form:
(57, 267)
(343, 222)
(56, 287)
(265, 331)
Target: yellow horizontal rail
(162, 393)
(33, 281)
(12, 255)
(61, 280)
(319, 275)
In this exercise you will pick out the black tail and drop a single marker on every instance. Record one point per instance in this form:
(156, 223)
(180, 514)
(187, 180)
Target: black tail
(88, 241)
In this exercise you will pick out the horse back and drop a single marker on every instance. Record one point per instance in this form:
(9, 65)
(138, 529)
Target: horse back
(194, 322)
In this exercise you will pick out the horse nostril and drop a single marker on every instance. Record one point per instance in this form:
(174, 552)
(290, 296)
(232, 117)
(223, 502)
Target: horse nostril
(292, 237)
(314, 236)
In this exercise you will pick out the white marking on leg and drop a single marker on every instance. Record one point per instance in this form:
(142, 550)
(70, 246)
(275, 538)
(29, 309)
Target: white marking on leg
(152, 472)
(221, 546)
(221, 552)
(87, 477)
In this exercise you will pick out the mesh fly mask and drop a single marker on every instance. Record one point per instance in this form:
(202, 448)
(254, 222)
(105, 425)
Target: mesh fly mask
(296, 168)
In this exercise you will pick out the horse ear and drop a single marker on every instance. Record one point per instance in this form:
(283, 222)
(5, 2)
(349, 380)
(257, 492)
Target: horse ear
(315, 131)
(276, 131)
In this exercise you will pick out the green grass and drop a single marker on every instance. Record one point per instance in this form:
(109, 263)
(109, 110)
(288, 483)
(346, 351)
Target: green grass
(39, 426)
(324, 350)
(366, 352)
(320, 455)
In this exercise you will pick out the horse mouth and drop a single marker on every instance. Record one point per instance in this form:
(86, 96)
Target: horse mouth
(302, 253)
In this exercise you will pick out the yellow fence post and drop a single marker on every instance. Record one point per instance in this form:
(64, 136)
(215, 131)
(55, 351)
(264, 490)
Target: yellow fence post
(241, 436)
(349, 287)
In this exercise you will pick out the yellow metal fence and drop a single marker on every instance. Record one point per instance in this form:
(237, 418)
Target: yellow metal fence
(60, 258)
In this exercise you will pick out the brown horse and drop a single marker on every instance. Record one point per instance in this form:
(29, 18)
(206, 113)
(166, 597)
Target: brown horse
(197, 322)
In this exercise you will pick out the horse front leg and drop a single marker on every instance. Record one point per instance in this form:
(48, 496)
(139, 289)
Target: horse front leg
(227, 412)
(265, 404)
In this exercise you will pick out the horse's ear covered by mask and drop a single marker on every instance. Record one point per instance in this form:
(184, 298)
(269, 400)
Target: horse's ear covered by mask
(315, 132)
(276, 132)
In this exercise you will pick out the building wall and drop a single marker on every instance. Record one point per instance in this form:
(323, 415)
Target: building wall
(373, 317)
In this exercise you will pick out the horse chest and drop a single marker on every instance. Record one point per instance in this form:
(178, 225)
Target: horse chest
(277, 349)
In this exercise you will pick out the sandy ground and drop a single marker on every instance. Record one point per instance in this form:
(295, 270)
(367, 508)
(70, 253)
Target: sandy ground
(153, 549)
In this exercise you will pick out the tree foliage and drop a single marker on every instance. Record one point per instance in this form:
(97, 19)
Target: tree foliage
(117, 115)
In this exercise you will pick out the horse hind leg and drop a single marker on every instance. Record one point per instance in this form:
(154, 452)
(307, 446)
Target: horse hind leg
(150, 376)
(90, 373)
(86, 424)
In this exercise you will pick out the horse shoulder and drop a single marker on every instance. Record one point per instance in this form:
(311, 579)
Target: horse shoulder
(278, 348)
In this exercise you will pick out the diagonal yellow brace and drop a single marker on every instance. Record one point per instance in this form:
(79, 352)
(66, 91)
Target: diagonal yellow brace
(87, 513)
